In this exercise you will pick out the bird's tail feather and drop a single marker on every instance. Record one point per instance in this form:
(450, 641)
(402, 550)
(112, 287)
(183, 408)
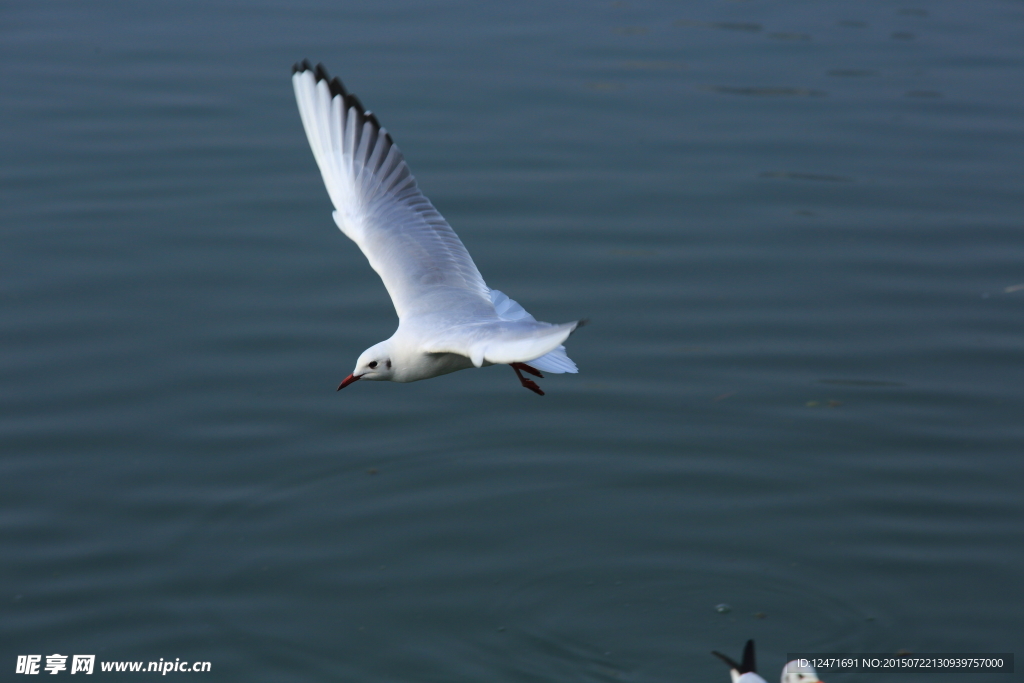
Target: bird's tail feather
(556, 361)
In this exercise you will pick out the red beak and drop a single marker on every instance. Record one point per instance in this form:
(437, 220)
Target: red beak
(348, 380)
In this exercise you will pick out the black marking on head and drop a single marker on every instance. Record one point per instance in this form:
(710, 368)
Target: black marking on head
(389, 364)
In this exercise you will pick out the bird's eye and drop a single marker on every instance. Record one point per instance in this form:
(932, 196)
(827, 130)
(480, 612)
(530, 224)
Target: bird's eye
(373, 364)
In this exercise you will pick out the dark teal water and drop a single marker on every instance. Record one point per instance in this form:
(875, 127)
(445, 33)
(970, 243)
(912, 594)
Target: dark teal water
(795, 226)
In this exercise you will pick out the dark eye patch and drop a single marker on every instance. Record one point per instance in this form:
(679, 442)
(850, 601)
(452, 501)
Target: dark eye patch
(389, 365)
(373, 364)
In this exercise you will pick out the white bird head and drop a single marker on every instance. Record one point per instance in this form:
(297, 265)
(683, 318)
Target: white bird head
(794, 672)
(374, 363)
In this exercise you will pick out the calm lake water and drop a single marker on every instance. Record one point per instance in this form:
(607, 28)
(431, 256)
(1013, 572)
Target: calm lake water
(795, 226)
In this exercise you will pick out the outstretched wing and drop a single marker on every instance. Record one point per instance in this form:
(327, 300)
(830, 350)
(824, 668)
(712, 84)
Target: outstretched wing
(377, 202)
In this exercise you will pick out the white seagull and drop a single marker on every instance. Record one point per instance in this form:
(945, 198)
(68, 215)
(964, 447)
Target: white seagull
(448, 318)
(746, 671)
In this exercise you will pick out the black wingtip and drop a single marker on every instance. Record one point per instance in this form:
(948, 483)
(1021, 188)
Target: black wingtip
(727, 659)
(748, 663)
(338, 88)
(353, 101)
(320, 73)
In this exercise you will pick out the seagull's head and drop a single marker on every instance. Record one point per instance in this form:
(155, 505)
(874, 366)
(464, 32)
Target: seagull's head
(798, 672)
(374, 363)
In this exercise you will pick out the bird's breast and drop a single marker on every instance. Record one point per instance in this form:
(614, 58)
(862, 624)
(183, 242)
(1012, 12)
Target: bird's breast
(429, 365)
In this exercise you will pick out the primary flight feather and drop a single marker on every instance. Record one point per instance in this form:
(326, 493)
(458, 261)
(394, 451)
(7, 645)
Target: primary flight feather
(448, 318)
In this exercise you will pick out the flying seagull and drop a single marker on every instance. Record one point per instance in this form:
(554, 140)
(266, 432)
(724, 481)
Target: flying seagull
(448, 318)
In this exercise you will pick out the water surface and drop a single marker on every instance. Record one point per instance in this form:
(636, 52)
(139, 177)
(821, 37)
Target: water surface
(795, 227)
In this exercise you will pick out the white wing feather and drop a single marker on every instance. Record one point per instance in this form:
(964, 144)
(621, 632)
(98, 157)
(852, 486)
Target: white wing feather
(378, 204)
